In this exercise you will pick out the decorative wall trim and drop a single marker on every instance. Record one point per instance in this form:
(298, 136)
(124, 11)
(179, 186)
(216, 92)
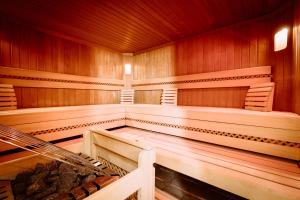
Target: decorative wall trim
(75, 126)
(40, 79)
(56, 80)
(208, 80)
(220, 133)
(228, 78)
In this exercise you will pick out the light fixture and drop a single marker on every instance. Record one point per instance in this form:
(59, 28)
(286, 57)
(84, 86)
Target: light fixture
(280, 39)
(127, 69)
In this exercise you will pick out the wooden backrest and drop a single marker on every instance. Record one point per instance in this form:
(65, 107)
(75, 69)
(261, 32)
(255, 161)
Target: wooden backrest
(8, 100)
(260, 97)
(127, 96)
(169, 96)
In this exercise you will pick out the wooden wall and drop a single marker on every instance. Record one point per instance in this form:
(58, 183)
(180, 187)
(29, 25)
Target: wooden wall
(26, 48)
(248, 44)
(296, 56)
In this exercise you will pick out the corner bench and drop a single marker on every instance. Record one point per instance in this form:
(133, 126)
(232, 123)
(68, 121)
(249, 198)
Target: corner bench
(183, 131)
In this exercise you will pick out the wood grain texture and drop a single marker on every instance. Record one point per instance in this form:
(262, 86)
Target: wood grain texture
(296, 55)
(25, 48)
(134, 25)
(247, 44)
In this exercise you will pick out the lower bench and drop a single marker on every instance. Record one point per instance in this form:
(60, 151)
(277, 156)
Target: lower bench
(247, 174)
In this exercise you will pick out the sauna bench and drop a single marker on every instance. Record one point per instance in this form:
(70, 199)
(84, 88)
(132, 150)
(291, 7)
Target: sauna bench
(273, 133)
(247, 174)
(61, 123)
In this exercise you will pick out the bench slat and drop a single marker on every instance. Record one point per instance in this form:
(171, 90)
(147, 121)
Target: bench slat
(9, 98)
(6, 86)
(7, 90)
(8, 108)
(8, 103)
(263, 89)
(256, 98)
(258, 94)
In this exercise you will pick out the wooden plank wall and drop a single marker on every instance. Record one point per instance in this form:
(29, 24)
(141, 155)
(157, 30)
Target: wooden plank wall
(248, 44)
(296, 55)
(26, 48)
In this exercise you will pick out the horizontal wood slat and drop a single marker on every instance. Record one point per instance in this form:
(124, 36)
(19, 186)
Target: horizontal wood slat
(262, 85)
(254, 108)
(127, 96)
(8, 101)
(258, 94)
(263, 89)
(7, 94)
(8, 108)
(5, 86)
(256, 103)
(255, 98)
(228, 78)
(169, 96)
(40, 79)
(6, 90)
(260, 97)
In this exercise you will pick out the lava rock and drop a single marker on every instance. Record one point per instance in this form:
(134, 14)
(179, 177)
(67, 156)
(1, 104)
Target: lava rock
(53, 172)
(82, 171)
(21, 181)
(23, 177)
(38, 176)
(20, 196)
(37, 183)
(47, 191)
(89, 178)
(67, 178)
(53, 165)
(77, 182)
(39, 168)
(35, 187)
(51, 196)
(52, 179)
(19, 188)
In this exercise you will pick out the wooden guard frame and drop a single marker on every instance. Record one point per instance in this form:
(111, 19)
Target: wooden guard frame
(169, 97)
(127, 96)
(8, 100)
(260, 97)
(133, 156)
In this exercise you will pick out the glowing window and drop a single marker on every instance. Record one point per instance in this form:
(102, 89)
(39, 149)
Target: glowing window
(280, 39)
(127, 69)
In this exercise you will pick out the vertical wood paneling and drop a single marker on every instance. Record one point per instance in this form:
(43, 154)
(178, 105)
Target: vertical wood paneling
(247, 44)
(153, 64)
(26, 48)
(296, 56)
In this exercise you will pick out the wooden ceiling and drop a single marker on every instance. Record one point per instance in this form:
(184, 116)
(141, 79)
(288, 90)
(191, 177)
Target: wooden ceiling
(133, 25)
